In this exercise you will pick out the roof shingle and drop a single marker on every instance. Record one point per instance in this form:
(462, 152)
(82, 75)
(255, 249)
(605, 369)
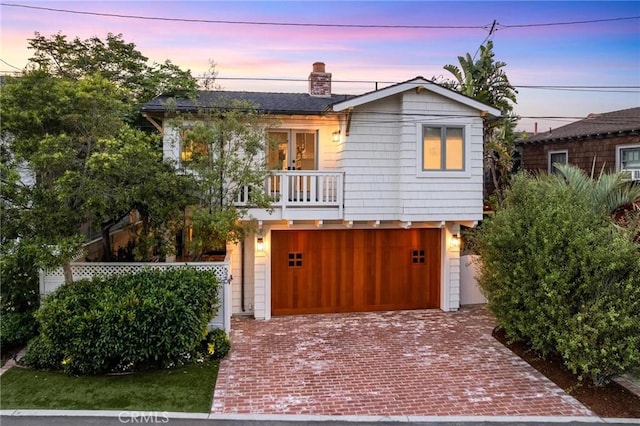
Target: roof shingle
(265, 102)
(609, 123)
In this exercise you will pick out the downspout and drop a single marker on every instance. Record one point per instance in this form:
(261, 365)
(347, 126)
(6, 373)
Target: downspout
(242, 266)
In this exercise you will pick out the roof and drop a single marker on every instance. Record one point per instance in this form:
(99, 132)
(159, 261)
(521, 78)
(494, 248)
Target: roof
(607, 124)
(265, 102)
(417, 83)
(303, 103)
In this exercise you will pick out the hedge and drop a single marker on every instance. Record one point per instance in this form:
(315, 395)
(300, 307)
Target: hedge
(563, 279)
(147, 319)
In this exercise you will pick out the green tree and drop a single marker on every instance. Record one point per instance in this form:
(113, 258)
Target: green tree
(53, 126)
(65, 119)
(484, 79)
(127, 173)
(117, 61)
(227, 154)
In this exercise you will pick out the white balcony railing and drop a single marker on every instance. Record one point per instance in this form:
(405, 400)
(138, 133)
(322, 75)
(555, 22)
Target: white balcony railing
(302, 188)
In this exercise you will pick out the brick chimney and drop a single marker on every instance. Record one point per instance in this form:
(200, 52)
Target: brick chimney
(319, 81)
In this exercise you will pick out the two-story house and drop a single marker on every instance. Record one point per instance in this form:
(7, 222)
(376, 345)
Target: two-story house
(370, 190)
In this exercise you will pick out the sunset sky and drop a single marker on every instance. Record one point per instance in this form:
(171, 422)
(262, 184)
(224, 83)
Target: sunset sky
(369, 45)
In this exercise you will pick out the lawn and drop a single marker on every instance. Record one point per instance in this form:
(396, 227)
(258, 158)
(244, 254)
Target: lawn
(184, 389)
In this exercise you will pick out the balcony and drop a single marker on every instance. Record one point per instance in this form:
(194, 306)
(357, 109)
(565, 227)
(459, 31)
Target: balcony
(301, 195)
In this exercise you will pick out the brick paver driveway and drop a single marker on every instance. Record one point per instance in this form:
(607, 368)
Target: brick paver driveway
(423, 362)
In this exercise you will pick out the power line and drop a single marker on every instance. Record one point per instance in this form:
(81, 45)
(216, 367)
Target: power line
(549, 24)
(282, 24)
(7, 63)
(571, 88)
(494, 26)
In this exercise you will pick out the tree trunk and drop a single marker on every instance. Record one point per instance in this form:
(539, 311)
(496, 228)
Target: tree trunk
(68, 275)
(145, 250)
(107, 256)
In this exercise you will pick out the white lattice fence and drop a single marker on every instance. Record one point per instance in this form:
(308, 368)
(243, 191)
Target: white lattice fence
(52, 279)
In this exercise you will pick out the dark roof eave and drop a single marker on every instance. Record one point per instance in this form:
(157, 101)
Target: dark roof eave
(629, 132)
(160, 110)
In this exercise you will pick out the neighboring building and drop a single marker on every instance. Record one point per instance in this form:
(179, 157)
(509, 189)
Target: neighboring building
(372, 191)
(608, 141)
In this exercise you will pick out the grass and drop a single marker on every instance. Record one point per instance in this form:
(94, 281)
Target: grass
(184, 389)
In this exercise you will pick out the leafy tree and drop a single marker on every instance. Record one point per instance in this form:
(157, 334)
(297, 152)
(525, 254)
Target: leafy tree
(53, 126)
(127, 173)
(117, 61)
(67, 120)
(484, 79)
(226, 146)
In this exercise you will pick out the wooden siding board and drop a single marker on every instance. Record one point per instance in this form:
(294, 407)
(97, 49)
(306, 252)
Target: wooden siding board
(581, 153)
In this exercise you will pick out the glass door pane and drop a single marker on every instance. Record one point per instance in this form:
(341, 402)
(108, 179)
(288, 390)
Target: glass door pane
(305, 151)
(278, 149)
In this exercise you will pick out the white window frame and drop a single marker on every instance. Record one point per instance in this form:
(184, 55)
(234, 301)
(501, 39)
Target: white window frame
(466, 140)
(550, 153)
(619, 149)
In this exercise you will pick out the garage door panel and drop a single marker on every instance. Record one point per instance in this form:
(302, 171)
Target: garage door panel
(355, 270)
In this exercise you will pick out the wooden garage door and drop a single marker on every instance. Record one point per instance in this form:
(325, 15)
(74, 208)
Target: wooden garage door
(354, 270)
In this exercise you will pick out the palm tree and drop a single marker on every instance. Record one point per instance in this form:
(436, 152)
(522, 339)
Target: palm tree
(484, 79)
(607, 194)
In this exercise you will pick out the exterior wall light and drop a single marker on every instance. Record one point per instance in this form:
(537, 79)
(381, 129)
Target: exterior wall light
(335, 136)
(455, 241)
(260, 244)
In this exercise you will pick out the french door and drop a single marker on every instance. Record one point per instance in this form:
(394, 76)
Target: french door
(292, 150)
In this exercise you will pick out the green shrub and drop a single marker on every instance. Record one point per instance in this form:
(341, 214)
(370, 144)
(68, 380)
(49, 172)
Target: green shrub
(216, 344)
(16, 328)
(41, 354)
(562, 278)
(19, 296)
(148, 319)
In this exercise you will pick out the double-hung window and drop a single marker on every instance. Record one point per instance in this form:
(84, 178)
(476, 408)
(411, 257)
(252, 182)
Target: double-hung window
(443, 148)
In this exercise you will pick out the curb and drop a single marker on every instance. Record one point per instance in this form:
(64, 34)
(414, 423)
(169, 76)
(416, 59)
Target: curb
(284, 418)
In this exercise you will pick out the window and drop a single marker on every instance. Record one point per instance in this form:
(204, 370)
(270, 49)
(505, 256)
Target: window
(417, 256)
(192, 149)
(557, 157)
(294, 260)
(443, 148)
(629, 157)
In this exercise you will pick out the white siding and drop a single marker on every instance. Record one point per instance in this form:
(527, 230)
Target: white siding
(262, 280)
(381, 159)
(371, 161)
(450, 288)
(444, 195)
(171, 143)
